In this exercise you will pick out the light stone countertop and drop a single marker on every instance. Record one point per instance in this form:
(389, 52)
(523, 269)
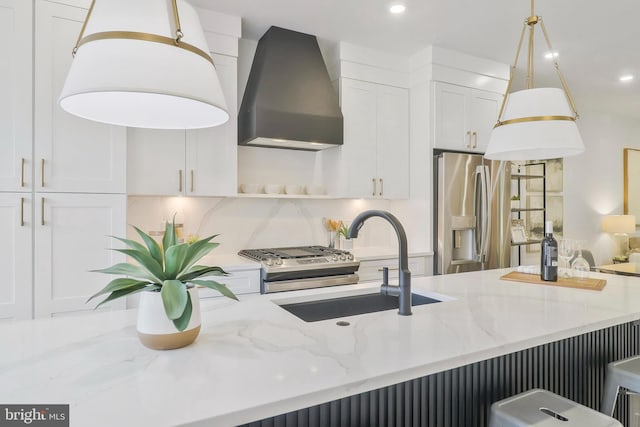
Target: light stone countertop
(254, 360)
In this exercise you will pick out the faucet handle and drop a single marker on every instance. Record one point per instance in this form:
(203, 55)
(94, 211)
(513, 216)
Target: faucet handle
(385, 275)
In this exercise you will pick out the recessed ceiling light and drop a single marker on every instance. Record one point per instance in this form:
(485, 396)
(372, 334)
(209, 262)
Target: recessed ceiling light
(397, 8)
(551, 55)
(626, 78)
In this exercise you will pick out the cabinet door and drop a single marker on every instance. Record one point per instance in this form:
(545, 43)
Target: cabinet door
(359, 152)
(155, 162)
(71, 238)
(15, 93)
(212, 153)
(393, 142)
(79, 155)
(484, 108)
(15, 255)
(451, 125)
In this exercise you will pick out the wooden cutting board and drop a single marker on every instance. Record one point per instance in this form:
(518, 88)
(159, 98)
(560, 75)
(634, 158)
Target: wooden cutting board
(572, 282)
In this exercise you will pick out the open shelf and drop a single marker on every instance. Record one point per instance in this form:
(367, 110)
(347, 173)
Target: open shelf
(284, 196)
(528, 210)
(528, 242)
(525, 176)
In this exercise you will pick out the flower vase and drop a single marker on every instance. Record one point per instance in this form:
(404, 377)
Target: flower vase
(333, 237)
(157, 331)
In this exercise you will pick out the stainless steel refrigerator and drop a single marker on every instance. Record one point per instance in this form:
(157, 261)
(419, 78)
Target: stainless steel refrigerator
(472, 216)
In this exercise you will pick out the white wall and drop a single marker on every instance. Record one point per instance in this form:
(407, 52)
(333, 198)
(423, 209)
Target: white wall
(593, 181)
(260, 223)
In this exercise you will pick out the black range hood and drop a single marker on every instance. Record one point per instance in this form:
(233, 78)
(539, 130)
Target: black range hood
(289, 101)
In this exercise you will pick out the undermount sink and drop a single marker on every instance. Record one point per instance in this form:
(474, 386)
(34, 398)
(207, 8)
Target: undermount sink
(349, 305)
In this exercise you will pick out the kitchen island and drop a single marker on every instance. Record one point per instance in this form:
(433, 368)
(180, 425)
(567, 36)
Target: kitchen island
(254, 360)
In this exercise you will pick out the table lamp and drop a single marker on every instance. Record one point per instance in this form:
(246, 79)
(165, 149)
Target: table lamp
(619, 226)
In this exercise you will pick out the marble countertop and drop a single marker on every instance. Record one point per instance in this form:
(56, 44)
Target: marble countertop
(254, 360)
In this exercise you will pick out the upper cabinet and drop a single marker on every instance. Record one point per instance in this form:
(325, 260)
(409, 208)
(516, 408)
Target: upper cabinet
(200, 162)
(464, 117)
(16, 94)
(70, 154)
(375, 155)
(374, 160)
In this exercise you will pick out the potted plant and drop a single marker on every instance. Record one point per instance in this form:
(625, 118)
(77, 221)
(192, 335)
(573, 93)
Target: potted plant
(347, 243)
(166, 276)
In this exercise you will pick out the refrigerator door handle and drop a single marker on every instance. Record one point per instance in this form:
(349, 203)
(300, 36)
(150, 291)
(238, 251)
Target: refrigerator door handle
(483, 212)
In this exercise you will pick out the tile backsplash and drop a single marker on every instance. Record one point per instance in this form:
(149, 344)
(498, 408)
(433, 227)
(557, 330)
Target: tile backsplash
(260, 222)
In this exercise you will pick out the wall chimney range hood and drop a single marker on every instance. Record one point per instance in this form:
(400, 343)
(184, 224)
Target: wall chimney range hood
(289, 101)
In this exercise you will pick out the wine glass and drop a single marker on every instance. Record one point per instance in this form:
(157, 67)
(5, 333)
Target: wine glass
(580, 265)
(565, 252)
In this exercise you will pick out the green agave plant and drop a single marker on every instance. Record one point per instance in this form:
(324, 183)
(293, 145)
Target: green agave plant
(169, 269)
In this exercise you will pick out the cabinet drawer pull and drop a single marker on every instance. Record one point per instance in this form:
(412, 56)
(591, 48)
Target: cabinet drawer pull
(21, 211)
(374, 187)
(22, 172)
(42, 173)
(475, 139)
(42, 211)
(468, 139)
(192, 186)
(180, 181)
(381, 186)
(390, 269)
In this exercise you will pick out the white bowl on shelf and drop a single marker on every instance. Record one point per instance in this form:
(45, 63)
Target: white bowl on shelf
(251, 188)
(293, 189)
(273, 188)
(315, 190)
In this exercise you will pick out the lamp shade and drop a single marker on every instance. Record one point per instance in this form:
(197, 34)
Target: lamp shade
(619, 224)
(123, 75)
(536, 124)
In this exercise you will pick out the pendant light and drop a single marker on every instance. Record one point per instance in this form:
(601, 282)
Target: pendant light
(535, 123)
(144, 63)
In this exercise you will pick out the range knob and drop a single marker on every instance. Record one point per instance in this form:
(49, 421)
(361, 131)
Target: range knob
(334, 257)
(278, 261)
(343, 257)
(268, 262)
(350, 257)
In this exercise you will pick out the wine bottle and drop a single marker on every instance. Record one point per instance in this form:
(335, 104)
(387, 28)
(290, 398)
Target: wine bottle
(549, 255)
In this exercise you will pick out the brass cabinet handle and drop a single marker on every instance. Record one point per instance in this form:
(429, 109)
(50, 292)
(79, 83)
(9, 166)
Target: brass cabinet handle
(475, 140)
(192, 180)
(468, 139)
(42, 173)
(381, 186)
(22, 172)
(389, 268)
(21, 211)
(180, 181)
(42, 211)
(374, 186)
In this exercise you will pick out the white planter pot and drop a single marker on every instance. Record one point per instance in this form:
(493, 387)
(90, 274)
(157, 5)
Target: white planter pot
(157, 331)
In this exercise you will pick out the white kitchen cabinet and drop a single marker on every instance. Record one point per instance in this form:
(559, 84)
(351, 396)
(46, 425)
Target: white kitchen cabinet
(16, 255)
(375, 154)
(239, 282)
(72, 236)
(371, 270)
(200, 162)
(16, 95)
(464, 117)
(70, 154)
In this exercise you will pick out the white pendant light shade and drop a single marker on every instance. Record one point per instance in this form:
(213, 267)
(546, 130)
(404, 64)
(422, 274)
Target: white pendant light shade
(122, 76)
(537, 124)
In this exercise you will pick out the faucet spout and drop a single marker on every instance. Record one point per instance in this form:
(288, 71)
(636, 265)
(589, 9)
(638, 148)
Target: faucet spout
(403, 291)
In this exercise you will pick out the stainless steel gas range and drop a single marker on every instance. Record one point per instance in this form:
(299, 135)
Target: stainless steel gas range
(303, 267)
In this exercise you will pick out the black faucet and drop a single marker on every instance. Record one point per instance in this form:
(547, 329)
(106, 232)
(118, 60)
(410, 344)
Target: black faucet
(403, 292)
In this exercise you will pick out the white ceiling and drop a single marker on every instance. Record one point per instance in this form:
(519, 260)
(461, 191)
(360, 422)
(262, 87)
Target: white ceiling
(597, 41)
